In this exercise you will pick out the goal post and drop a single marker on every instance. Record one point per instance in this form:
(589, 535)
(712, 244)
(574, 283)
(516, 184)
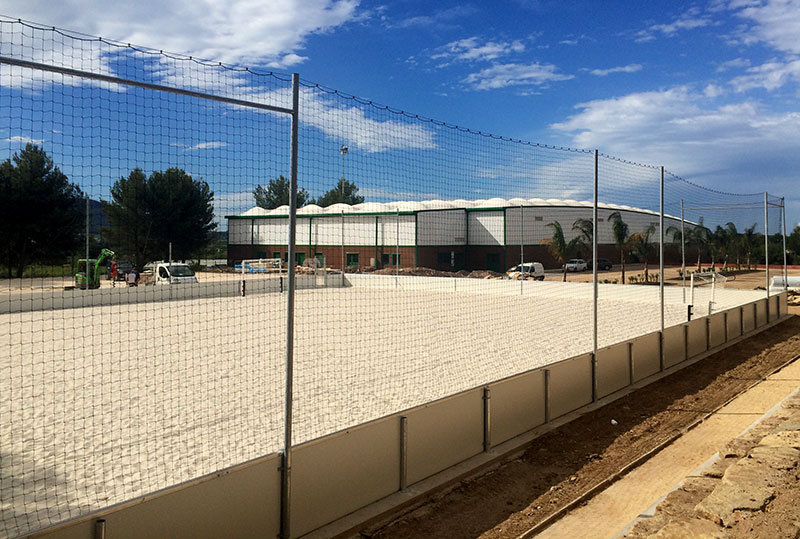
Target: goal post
(258, 265)
(705, 281)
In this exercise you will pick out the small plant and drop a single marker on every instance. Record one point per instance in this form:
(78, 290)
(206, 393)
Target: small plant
(615, 281)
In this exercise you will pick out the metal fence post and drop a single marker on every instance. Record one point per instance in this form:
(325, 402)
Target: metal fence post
(661, 252)
(286, 469)
(683, 257)
(343, 261)
(594, 281)
(766, 249)
(785, 268)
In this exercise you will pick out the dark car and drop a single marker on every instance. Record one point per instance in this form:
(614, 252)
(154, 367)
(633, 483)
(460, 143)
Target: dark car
(123, 268)
(602, 264)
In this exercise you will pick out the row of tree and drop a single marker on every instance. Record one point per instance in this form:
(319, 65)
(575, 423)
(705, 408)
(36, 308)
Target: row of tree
(276, 194)
(724, 244)
(44, 215)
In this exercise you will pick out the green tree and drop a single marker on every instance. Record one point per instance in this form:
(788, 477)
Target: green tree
(698, 236)
(641, 245)
(42, 212)
(750, 242)
(169, 207)
(129, 216)
(559, 247)
(620, 231)
(345, 192)
(276, 194)
(583, 241)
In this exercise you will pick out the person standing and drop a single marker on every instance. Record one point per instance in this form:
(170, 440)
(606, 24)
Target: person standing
(114, 271)
(133, 278)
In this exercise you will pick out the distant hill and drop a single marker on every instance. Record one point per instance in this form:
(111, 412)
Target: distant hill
(97, 217)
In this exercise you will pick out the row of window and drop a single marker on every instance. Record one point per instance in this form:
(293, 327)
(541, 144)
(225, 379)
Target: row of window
(352, 259)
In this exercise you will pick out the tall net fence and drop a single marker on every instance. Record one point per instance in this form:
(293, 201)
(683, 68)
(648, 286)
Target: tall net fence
(146, 249)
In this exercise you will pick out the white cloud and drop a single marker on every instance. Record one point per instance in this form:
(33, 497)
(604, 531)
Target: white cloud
(237, 31)
(23, 140)
(770, 76)
(207, 145)
(504, 75)
(471, 49)
(775, 22)
(630, 68)
(688, 21)
(731, 146)
(200, 146)
(733, 64)
(351, 124)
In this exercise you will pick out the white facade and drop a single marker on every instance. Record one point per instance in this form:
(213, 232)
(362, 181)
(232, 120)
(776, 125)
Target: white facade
(493, 222)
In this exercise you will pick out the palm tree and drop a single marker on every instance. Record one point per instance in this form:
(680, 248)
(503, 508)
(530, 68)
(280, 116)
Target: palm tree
(677, 236)
(584, 240)
(559, 247)
(749, 241)
(698, 236)
(718, 242)
(619, 229)
(640, 242)
(734, 243)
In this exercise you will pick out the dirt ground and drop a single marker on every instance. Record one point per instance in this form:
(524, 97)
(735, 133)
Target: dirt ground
(565, 463)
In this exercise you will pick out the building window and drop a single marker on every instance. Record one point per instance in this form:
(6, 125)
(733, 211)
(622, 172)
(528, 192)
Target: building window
(299, 258)
(443, 258)
(276, 254)
(395, 259)
(352, 259)
(538, 218)
(384, 259)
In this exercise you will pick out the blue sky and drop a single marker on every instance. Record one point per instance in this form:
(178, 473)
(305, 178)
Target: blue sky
(708, 89)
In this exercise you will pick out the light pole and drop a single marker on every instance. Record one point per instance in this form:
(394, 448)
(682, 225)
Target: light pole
(343, 151)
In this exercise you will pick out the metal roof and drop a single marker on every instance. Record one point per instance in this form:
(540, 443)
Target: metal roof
(427, 205)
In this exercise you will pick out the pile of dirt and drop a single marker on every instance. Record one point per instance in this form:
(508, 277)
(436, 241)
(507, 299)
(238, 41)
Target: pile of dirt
(793, 298)
(428, 272)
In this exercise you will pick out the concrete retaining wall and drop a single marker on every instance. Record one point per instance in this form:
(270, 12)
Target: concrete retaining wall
(343, 472)
(71, 299)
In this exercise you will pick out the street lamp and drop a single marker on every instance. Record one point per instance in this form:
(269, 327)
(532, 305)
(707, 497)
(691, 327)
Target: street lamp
(343, 151)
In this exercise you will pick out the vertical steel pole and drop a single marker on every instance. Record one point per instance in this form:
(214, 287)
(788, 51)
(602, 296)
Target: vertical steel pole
(87, 243)
(286, 470)
(397, 250)
(766, 249)
(661, 251)
(785, 269)
(343, 266)
(683, 256)
(594, 282)
(521, 245)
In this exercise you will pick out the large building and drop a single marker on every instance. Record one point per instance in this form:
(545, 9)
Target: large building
(446, 235)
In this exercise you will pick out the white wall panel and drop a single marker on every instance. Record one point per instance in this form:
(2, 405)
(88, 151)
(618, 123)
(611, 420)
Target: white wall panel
(442, 227)
(271, 232)
(388, 228)
(239, 231)
(486, 228)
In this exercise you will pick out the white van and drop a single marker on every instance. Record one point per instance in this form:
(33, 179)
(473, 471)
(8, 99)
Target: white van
(532, 270)
(175, 273)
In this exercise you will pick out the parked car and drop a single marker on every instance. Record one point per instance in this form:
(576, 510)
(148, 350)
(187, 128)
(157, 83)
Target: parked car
(576, 264)
(529, 269)
(175, 273)
(123, 268)
(602, 264)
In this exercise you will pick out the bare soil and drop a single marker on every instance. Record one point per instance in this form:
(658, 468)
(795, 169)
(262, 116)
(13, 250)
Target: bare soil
(565, 463)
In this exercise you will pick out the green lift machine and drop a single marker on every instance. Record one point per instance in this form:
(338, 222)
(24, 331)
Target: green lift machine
(94, 265)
